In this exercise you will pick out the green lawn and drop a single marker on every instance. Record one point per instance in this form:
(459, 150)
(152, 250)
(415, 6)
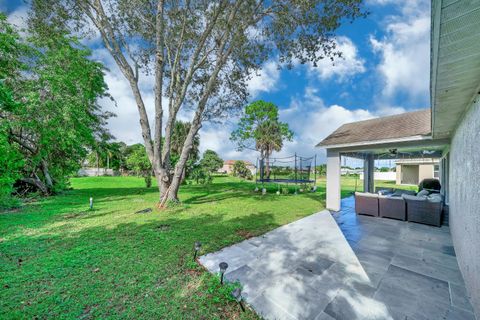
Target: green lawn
(60, 260)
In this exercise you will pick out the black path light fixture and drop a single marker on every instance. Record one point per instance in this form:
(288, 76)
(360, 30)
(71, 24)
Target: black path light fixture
(237, 295)
(197, 247)
(223, 267)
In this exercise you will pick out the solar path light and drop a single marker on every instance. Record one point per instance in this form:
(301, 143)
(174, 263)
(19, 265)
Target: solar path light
(237, 295)
(223, 267)
(91, 203)
(197, 247)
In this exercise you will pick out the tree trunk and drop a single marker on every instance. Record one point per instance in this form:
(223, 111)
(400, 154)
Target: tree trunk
(46, 174)
(180, 168)
(267, 165)
(163, 181)
(98, 165)
(36, 183)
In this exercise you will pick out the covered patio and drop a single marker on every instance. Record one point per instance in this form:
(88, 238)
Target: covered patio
(404, 136)
(345, 266)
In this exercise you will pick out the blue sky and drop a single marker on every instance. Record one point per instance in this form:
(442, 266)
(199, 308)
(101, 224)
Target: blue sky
(385, 70)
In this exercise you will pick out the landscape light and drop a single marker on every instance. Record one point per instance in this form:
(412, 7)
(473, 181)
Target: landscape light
(223, 267)
(237, 295)
(198, 246)
(91, 203)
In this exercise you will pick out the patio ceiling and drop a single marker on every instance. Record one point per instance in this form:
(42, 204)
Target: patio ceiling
(455, 62)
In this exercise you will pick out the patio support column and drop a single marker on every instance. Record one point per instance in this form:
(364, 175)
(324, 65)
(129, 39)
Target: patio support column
(368, 173)
(333, 180)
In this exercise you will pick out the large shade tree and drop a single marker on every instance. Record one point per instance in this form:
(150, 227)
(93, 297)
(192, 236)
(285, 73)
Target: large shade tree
(260, 128)
(200, 53)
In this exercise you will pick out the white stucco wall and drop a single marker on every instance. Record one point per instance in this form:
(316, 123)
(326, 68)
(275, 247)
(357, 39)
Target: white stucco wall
(465, 200)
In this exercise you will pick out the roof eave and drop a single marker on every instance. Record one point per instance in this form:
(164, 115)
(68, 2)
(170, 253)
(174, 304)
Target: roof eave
(376, 142)
(435, 43)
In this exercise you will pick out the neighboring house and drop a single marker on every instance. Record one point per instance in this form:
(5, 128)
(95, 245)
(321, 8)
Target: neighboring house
(412, 171)
(449, 131)
(228, 166)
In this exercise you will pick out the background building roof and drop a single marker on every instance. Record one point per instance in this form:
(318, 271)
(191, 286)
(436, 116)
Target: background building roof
(232, 162)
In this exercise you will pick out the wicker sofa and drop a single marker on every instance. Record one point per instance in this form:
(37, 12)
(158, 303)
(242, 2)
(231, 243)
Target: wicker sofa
(424, 207)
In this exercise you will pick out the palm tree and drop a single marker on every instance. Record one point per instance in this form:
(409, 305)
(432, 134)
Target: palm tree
(268, 138)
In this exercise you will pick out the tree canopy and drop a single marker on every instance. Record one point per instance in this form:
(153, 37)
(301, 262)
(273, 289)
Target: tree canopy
(211, 161)
(49, 110)
(201, 54)
(139, 163)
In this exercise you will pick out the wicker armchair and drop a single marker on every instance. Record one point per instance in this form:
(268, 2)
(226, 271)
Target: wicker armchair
(366, 203)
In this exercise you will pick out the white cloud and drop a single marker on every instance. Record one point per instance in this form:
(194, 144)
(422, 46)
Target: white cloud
(19, 16)
(265, 80)
(341, 68)
(405, 52)
(312, 121)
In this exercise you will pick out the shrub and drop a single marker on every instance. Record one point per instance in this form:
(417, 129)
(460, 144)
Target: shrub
(240, 170)
(200, 175)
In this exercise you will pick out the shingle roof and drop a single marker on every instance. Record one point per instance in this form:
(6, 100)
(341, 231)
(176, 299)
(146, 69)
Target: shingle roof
(232, 162)
(392, 127)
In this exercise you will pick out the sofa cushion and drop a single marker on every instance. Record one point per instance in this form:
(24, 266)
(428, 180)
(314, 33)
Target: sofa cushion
(423, 192)
(400, 192)
(414, 198)
(435, 197)
(385, 191)
(390, 197)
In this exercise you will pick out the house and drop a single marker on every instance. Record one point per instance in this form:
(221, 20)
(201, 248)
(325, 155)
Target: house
(228, 166)
(412, 171)
(449, 130)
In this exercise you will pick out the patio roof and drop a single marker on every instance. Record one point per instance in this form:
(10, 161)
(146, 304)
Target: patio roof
(410, 126)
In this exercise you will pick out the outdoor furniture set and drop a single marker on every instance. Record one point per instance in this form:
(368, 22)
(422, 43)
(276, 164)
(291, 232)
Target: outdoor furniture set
(425, 207)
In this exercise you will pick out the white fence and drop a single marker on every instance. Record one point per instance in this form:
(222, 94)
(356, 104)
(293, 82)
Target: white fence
(95, 172)
(387, 176)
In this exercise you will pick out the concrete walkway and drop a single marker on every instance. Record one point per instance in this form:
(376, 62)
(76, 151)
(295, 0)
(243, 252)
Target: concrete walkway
(344, 266)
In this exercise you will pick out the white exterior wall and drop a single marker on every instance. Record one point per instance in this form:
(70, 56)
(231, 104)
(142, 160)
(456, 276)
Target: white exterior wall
(464, 196)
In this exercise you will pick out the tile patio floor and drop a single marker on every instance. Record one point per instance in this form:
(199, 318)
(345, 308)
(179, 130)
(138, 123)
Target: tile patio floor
(344, 266)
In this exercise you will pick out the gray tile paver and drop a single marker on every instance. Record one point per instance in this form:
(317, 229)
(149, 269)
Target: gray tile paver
(344, 266)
